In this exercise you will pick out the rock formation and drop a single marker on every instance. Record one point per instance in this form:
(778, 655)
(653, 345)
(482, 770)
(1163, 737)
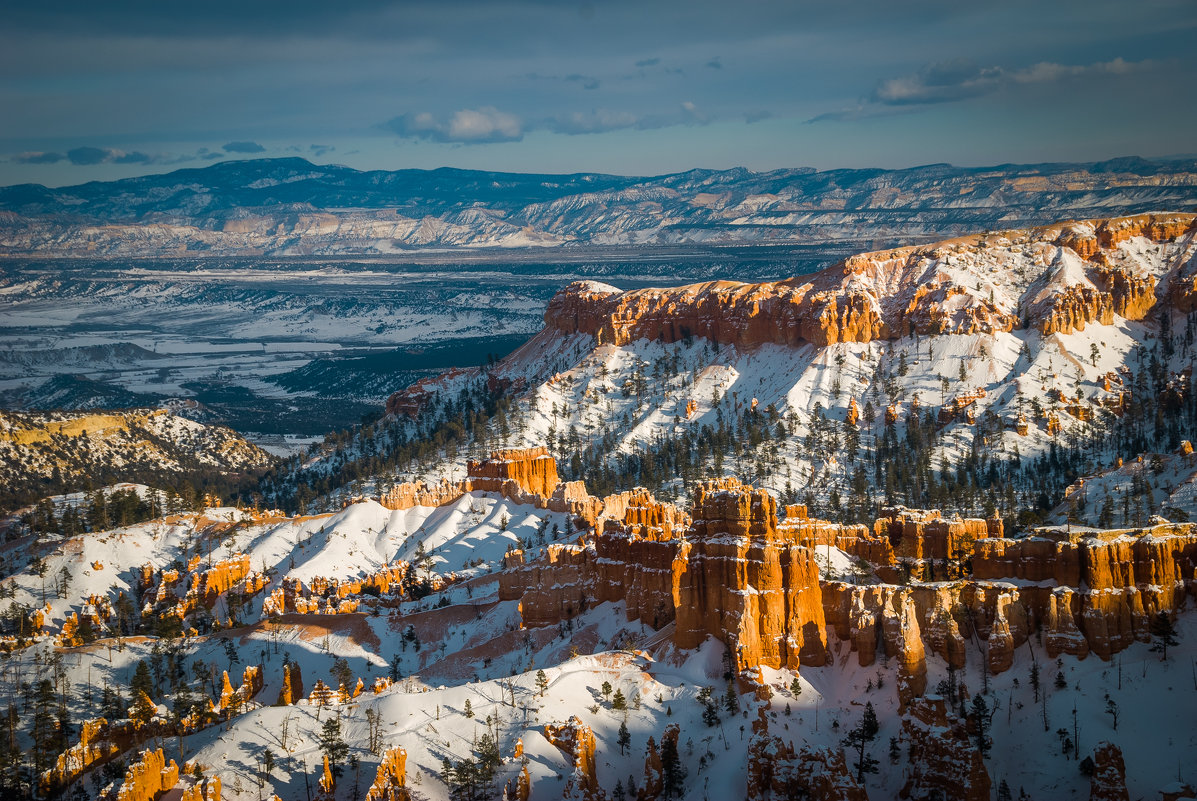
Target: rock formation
(696, 575)
(820, 774)
(942, 755)
(327, 781)
(292, 689)
(206, 789)
(734, 546)
(1108, 782)
(147, 778)
(390, 784)
(881, 295)
(98, 743)
(577, 740)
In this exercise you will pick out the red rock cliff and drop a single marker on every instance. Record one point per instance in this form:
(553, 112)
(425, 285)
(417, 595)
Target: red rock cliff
(880, 295)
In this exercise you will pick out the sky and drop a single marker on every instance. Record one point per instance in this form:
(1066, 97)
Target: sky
(97, 91)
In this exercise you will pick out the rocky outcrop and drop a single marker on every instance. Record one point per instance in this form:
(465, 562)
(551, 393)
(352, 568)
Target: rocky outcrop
(820, 774)
(943, 758)
(653, 785)
(206, 789)
(390, 784)
(412, 494)
(856, 539)
(728, 575)
(146, 779)
(925, 534)
(292, 689)
(98, 743)
(883, 295)
(1108, 585)
(327, 782)
(577, 740)
(526, 475)
(251, 685)
(1108, 782)
(532, 470)
(744, 585)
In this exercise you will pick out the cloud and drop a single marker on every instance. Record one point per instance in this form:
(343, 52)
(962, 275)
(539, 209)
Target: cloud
(587, 81)
(715, 63)
(320, 150)
(588, 122)
(940, 82)
(756, 116)
(467, 126)
(488, 124)
(960, 79)
(90, 155)
(136, 157)
(648, 62)
(243, 147)
(38, 157)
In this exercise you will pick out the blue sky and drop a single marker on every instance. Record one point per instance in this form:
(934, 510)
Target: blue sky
(100, 91)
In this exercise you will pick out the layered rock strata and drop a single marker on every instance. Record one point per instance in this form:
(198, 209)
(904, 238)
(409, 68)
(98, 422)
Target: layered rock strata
(882, 295)
(728, 575)
(944, 760)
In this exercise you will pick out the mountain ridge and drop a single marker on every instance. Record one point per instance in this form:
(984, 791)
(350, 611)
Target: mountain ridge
(291, 207)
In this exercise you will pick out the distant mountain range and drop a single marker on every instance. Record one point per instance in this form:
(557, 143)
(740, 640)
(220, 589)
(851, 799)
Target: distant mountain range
(289, 207)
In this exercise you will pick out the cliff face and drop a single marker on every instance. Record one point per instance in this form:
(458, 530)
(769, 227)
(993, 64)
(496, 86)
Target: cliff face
(1107, 588)
(747, 587)
(731, 576)
(736, 574)
(942, 755)
(820, 774)
(889, 294)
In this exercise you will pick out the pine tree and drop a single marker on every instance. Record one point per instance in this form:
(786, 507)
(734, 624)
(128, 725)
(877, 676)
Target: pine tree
(469, 709)
(1164, 634)
(332, 745)
(618, 701)
(142, 682)
(859, 738)
(542, 682)
(143, 710)
(625, 738)
(982, 720)
(673, 773)
(731, 701)
(45, 730)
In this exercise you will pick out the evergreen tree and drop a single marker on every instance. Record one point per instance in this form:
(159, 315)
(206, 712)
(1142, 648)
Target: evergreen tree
(673, 773)
(1164, 634)
(45, 728)
(625, 738)
(981, 721)
(142, 682)
(859, 738)
(332, 745)
(618, 701)
(143, 710)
